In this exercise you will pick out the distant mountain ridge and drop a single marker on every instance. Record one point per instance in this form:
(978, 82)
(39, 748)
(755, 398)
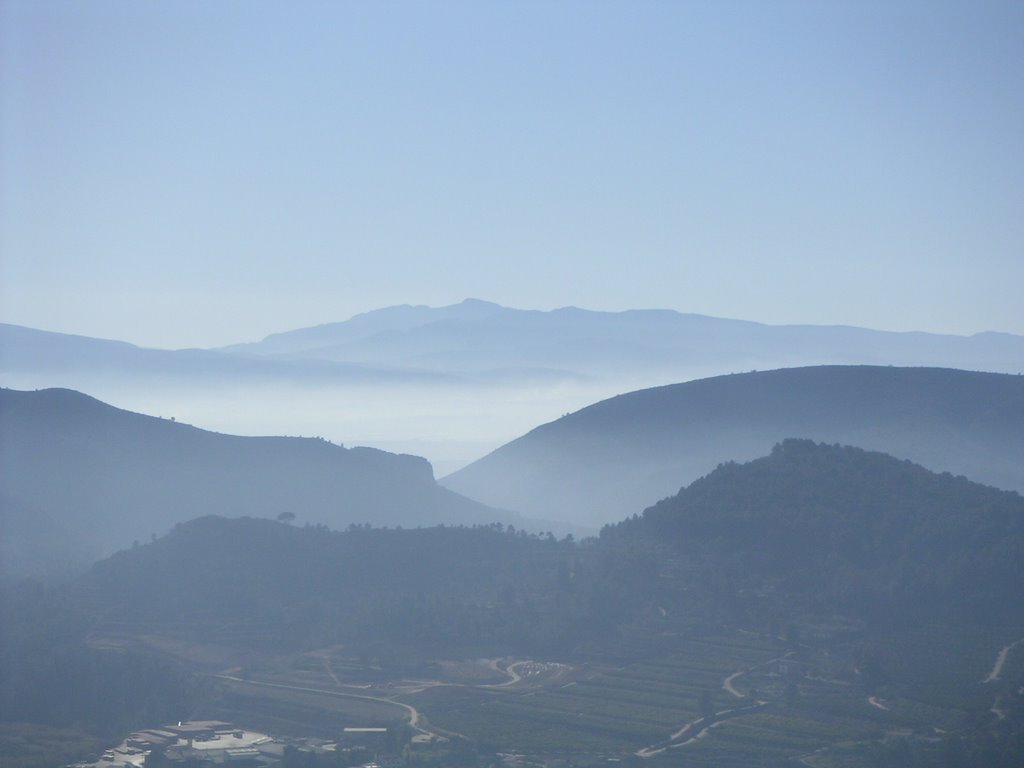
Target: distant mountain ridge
(605, 461)
(31, 351)
(108, 477)
(477, 340)
(475, 335)
(455, 382)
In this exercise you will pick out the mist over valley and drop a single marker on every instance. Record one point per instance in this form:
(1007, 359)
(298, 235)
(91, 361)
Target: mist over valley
(294, 584)
(511, 385)
(454, 383)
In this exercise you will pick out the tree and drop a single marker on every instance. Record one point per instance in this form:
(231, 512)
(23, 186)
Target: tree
(286, 517)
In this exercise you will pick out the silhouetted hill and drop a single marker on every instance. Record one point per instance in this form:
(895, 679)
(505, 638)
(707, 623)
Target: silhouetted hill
(435, 588)
(834, 528)
(609, 459)
(108, 477)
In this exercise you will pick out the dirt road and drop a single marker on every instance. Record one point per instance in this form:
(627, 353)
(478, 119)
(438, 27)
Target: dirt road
(874, 701)
(1000, 662)
(414, 715)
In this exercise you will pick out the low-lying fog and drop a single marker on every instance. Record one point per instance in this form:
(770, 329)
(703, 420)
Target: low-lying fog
(450, 425)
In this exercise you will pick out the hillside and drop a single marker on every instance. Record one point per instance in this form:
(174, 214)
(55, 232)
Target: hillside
(822, 599)
(443, 589)
(612, 458)
(107, 477)
(809, 528)
(819, 527)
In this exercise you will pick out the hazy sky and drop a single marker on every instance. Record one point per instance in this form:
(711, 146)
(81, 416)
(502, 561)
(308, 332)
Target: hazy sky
(195, 173)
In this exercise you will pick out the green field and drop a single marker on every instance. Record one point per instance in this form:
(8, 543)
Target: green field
(843, 699)
(816, 709)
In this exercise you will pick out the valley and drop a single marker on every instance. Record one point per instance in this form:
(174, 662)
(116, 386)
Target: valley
(507, 384)
(822, 605)
(732, 697)
(453, 383)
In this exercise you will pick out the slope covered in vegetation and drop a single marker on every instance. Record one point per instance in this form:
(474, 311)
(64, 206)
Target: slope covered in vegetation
(604, 462)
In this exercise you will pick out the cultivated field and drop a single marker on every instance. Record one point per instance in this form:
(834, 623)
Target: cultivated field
(831, 696)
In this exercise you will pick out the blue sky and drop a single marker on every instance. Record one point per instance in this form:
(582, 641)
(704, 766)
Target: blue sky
(197, 173)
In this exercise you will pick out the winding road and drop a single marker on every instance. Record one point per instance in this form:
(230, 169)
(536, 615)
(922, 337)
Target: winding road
(727, 683)
(414, 715)
(423, 734)
(513, 676)
(719, 718)
(672, 742)
(996, 673)
(876, 702)
(997, 667)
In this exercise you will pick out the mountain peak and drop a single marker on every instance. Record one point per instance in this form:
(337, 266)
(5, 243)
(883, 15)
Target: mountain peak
(480, 303)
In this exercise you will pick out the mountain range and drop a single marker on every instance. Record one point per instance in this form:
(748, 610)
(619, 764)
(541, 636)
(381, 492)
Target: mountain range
(479, 341)
(477, 337)
(454, 383)
(72, 359)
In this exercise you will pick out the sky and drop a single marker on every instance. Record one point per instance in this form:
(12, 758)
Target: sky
(199, 173)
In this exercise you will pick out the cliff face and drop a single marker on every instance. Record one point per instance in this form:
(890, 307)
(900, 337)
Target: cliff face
(112, 477)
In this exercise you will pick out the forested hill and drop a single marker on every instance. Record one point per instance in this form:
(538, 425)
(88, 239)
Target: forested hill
(810, 528)
(109, 477)
(827, 527)
(608, 460)
(451, 590)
